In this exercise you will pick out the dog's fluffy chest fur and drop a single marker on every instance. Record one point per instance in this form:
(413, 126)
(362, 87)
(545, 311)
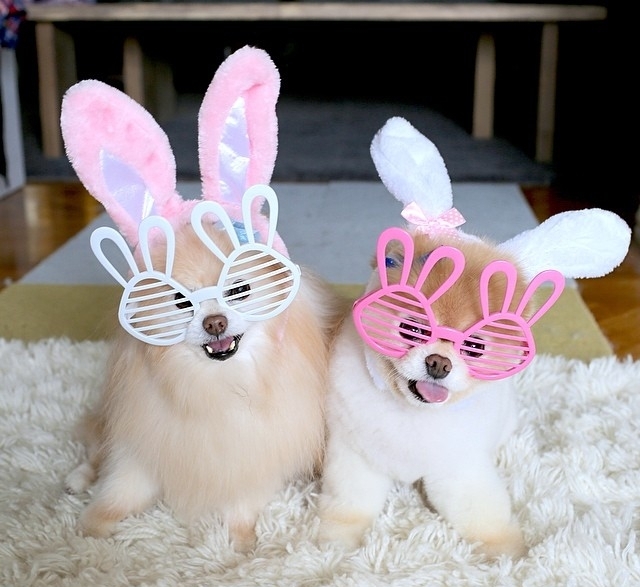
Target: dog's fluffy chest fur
(203, 429)
(406, 441)
(378, 436)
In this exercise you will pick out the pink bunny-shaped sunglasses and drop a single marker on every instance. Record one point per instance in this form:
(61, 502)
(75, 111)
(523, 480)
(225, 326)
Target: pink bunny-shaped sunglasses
(398, 317)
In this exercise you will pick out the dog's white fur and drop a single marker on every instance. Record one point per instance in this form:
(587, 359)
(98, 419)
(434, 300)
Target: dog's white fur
(209, 436)
(379, 433)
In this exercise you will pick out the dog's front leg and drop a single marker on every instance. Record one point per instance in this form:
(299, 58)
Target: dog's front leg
(474, 500)
(353, 494)
(123, 489)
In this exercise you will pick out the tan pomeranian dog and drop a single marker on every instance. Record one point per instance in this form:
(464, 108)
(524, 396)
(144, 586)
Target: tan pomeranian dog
(217, 423)
(214, 394)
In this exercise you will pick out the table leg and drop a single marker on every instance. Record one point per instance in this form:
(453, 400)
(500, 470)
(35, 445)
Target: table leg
(547, 93)
(56, 72)
(133, 70)
(484, 89)
(148, 81)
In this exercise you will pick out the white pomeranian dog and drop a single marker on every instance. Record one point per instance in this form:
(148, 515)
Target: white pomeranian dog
(420, 416)
(421, 373)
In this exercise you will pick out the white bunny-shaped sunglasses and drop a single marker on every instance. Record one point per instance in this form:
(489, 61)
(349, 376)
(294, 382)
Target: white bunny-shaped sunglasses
(256, 281)
(398, 317)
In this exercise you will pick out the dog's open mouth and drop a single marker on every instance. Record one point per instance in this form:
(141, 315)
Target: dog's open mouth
(428, 392)
(223, 348)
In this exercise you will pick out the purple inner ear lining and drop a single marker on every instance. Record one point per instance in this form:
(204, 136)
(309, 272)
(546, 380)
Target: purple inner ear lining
(234, 153)
(126, 188)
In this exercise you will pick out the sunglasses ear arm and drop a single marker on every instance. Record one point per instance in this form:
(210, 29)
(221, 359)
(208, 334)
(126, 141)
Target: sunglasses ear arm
(404, 238)
(98, 236)
(265, 194)
(197, 222)
(147, 227)
(543, 280)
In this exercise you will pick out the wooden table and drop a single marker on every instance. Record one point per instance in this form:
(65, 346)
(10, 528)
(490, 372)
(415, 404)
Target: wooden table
(57, 68)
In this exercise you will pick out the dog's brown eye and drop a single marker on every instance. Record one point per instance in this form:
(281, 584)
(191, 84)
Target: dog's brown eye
(472, 348)
(240, 291)
(182, 305)
(408, 331)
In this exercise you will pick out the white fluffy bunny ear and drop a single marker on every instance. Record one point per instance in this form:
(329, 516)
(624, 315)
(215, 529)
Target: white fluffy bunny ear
(120, 154)
(238, 127)
(411, 167)
(578, 244)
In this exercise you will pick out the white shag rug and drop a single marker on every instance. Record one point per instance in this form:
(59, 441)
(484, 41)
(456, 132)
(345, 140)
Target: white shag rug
(573, 470)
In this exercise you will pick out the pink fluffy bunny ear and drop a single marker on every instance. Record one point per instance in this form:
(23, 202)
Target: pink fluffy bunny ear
(238, 129)
(123, 157)
(120, 154)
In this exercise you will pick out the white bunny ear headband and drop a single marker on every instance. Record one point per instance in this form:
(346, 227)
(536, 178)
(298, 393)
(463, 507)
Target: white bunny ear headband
(580, 244)
(124, 159)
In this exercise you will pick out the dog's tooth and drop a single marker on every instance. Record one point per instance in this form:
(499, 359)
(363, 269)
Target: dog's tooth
(232, 346)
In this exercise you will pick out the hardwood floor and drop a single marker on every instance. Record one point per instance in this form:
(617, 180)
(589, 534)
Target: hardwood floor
(38, 219)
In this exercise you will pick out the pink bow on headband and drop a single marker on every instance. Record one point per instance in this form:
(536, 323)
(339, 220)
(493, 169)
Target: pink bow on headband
(446, 223)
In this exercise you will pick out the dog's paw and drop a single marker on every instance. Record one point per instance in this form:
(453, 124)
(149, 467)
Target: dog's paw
(344, 528)
(98, 521)
(508, 540)
(243, 537)
(80, 479)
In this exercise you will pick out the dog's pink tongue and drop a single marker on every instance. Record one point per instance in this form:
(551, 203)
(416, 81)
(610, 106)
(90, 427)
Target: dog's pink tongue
(221, 345)
(431, 392)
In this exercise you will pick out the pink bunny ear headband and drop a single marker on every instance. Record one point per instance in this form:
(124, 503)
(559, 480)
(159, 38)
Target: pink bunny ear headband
(397, 317)
(124, 159)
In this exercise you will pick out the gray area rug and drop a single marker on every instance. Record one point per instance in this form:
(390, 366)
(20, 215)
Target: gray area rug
(331, 227)
(328, 141)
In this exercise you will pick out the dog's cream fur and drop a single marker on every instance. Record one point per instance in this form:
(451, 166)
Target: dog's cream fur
(380, 433)
(205, 435)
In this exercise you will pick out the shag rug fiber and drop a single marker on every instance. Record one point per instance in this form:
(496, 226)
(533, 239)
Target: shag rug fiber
(573, 470)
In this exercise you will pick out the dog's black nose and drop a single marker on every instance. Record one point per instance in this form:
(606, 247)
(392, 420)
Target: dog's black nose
(438, 366)
(215, 325)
